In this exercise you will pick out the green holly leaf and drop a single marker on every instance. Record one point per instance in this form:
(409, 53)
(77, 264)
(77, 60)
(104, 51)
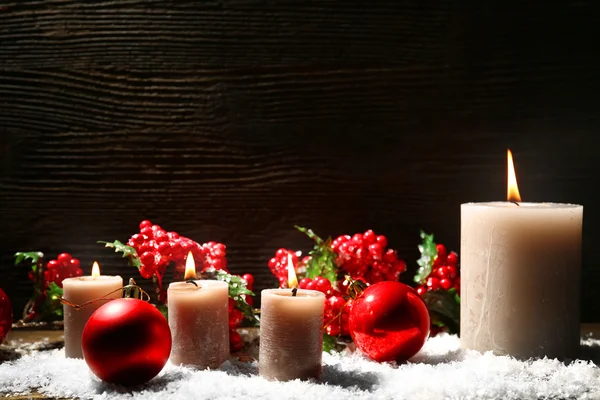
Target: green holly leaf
(444, 308)
(53, 305)
(329, 343)
(428, 254)
(34, 256)
(322, 258)
(127, 252)
(237, 291)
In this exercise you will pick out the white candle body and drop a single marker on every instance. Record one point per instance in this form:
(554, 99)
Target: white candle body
(199, 322)
(520, 278)
(291, 337)
(80, 290)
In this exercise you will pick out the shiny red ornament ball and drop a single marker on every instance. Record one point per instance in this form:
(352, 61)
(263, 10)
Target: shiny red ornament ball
(6, 315)
(126, 341)
(389, 322)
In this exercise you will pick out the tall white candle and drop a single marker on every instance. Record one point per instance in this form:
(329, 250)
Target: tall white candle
(199, 321)
(520, 278)
(291, 335)
(80, 290)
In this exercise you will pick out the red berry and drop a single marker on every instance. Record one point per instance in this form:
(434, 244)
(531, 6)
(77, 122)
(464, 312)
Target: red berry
(333, 329)
(148, 259)
(441, 272)
(53, 264)
(146, 271)
(303, 282)
(64, 258)
(421, 290)
(145, 224)
(231, 304)
(369, 236)
(452, 259)
(376, 251)
(441, 251)
(249, 280)
(74, 264)
(323, 284)
(433, 283)
(312, 285)
(235, 318)
(445, 283)
(451, 270)
(147, 231)
(335, 304)
(382, 240)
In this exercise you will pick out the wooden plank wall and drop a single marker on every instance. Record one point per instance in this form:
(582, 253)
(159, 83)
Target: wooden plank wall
(233, 120)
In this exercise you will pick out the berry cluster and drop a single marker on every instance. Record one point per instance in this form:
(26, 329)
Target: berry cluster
(444, 272)
(65, 266)
(279, 265)
(365, 256)
(236, 317)
(337, 309)
(158, 248)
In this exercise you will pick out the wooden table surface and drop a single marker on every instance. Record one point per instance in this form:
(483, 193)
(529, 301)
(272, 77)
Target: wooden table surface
(32, 336)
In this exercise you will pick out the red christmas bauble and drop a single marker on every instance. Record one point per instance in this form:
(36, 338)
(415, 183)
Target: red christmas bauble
(6, 315)
(389, 322)
(126, 341)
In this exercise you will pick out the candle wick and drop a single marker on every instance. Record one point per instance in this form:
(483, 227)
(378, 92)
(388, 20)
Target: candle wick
(514, 202)
(191, 281)
(294, 291)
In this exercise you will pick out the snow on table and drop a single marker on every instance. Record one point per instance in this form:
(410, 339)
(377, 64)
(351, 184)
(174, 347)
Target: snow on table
(440, 371)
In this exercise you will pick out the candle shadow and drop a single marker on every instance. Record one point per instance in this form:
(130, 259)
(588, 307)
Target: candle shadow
(156, 385)
(335, 375)
(435, 359)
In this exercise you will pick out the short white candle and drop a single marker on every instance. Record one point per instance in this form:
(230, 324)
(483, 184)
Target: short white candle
(291, 333)
(199, 321)
(520, 278)
(80, 290)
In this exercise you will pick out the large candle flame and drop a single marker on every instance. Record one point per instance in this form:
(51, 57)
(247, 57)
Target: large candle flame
(512, 193)
(292, 280)
(190, 267)
(95, 269)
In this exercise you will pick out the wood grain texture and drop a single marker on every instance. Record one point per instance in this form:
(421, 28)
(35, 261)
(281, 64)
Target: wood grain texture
(234, 120)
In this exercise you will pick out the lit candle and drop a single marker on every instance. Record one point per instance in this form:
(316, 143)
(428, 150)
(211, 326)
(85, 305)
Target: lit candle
(521, 271)
(291, 337)
(80, 290)
(199, 320)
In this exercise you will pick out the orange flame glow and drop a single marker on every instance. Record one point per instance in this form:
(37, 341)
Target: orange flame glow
(292, 280)
(512, 193)
(95, 269)
(190, 267)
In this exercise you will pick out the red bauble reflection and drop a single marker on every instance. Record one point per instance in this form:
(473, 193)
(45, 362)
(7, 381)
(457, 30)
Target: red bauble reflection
(126, 341)
(389, 322)
(6, 315)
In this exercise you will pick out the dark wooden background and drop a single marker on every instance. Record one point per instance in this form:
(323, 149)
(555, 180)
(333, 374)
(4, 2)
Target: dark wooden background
(234, 120)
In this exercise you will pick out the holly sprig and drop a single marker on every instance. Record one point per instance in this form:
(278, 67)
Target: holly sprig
(443, 305)
(48, 300)
(236, 289)
(428, 252)
(322, 258)
(127, 252)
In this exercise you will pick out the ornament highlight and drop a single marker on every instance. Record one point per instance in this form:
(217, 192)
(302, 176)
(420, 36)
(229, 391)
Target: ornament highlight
(388, 321)
(126, 341)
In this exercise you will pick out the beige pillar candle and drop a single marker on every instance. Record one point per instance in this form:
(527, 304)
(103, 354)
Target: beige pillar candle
(520, 278)
(291, 335)
(199, 320)
(79, 290)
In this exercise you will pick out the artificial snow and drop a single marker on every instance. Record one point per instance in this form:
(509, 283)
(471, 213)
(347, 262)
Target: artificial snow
(440, 371)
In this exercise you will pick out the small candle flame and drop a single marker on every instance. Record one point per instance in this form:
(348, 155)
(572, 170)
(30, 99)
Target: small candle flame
(292, 280)
(190, 267)
(512, 193)
(95, 269)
